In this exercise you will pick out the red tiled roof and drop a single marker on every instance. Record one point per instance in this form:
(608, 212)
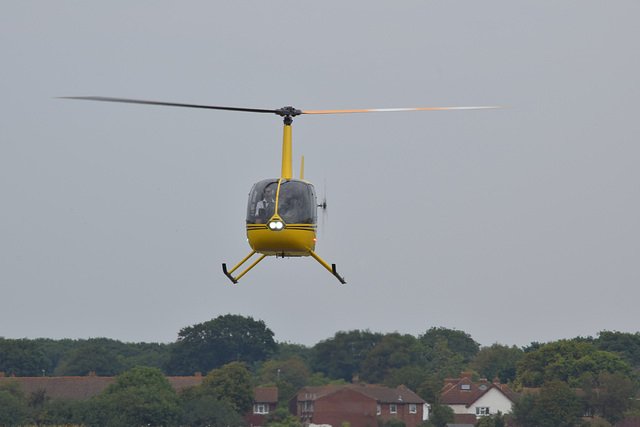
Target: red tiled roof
(455, 394)
(83, 387)
(380, 394)
(64, 387)
(180, 382)
(266, 394)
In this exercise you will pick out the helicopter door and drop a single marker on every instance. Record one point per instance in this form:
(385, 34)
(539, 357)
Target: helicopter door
(262, 201)
(297, 202)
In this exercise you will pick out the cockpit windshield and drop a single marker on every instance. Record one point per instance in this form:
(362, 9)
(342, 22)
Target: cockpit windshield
(294, 202)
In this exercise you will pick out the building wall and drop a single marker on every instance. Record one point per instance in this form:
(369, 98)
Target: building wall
(256, 420)
(345, 405)
(357, 409)
(494, 400)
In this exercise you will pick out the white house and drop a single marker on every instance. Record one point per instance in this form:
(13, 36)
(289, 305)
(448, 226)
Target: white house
(467, 398)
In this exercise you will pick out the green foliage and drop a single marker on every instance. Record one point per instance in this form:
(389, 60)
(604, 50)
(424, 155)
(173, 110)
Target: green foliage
(556, 405)
(65, 354)
(440, 415)
(497, 361)
(625, 345)
(566, 361)
(207, 410)
(394, 422)
(292, 371)
(232, 384)
(443, 361)
(394, 351)
(225, 339)
(142, 396)
(22, 358)
(342, 355)
(63, 412)
(608, 395)
(91, 358)
(287, 351)
(430, 389)
(496, 420)
(458, 342)
(288, 376)
(12, 409)
(412, 376)
(281, 418)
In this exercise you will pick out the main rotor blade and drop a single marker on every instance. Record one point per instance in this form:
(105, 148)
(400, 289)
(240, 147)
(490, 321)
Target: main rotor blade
(170, 104)
(376, 110)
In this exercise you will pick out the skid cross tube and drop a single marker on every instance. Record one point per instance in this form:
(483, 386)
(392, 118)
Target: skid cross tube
(229, 273)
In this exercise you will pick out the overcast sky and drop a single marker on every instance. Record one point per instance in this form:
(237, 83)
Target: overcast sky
(513, 225)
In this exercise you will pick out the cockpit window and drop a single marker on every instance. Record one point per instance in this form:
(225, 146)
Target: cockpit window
(295, 202)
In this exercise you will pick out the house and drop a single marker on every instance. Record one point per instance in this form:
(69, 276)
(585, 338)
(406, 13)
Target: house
(468, 399)
(265, 401)
(359, 405)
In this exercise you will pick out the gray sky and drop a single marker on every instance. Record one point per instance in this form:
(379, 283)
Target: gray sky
(513, 225)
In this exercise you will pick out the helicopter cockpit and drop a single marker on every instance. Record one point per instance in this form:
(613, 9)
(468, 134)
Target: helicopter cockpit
(294, 201)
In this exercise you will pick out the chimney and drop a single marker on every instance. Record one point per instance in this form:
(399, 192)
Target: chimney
(496, 380)
(466, 375)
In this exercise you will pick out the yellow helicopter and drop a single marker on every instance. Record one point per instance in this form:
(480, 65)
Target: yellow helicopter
(281, 212)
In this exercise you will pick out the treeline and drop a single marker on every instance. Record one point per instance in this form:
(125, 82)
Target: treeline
(612, 359)
(140, 396)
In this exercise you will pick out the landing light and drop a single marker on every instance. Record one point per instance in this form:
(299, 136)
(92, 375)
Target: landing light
(276, 225)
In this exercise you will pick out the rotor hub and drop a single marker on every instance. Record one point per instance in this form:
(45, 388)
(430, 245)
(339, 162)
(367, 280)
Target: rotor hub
(288, 113)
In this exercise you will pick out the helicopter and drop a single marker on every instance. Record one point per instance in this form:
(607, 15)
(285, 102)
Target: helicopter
(281, 218)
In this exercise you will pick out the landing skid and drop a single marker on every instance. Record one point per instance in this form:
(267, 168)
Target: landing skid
(229, 274)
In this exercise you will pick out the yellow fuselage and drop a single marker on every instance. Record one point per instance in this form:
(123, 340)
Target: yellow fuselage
(292, 240)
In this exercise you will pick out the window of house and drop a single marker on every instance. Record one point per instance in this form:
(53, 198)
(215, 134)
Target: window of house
(307, 406)
(260, 408)
(482, 410)
(379, 410)
(413, 408)
(465, 387)
(393, 408)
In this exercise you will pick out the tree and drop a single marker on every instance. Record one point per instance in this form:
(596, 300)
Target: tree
(141, 396)
(566, 361)
(288, 376)
(625, 345)
(206, 410)
(496, 420)
(232, 384)
(281, 417)
(209, 345)
(556, 405)
(497, 361)
(394, 351)
(22, 358)
(413, 376)
(12, 410)
(90, 358)
(342, 355)
(457, 341)
(442, 360)
(609, 395)
(440, 416)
